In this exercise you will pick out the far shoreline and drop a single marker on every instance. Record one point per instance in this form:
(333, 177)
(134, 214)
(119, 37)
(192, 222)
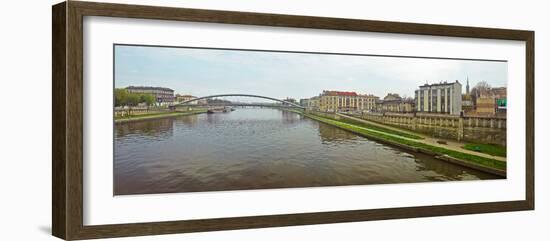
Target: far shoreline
(157, 116)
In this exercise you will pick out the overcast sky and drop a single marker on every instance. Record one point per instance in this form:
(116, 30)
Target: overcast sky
(202, 72)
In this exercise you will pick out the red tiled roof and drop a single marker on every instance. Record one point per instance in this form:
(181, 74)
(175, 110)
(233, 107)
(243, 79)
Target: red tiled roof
(339, 93)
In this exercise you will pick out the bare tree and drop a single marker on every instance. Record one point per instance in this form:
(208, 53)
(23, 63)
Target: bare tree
(481, 88)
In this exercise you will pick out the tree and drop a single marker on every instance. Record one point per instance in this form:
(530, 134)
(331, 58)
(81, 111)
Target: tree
(125, 98)
(147, 99)
(481, 88)
(121, 97)
(132, 99)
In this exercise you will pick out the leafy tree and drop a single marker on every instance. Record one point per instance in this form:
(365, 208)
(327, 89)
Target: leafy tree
(132, 99)
(147, 99)
(124, 98)
(121, 97)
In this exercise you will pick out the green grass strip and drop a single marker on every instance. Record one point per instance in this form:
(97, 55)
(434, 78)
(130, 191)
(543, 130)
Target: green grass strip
(379, 128)
(491, 149)
(483, 161)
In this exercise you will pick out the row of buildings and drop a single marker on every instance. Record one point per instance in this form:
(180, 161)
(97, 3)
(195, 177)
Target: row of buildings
(489, 101)
(442, 98)
(163, 96)
(346, 101)
(448, 98)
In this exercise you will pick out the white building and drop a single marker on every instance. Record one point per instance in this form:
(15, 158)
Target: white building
(439, 98)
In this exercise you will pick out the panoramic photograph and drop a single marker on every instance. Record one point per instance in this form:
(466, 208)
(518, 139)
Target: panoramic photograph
(189, 119)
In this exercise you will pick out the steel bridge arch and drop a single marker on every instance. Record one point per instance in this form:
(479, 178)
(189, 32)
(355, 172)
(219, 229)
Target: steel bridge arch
(242, 95)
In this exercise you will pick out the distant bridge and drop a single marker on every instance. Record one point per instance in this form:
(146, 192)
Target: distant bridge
(241, 104)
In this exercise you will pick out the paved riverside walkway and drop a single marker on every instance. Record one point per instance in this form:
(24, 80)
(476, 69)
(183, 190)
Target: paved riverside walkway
(451, 145)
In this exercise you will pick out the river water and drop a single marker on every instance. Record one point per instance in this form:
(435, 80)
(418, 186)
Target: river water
(258, 148)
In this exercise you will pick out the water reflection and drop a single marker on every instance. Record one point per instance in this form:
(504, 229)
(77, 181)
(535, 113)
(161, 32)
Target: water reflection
(158, 129)
(260, 148)
(330, 134)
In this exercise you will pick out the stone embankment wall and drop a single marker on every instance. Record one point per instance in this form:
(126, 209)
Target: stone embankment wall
(467, 128)
(491, 130)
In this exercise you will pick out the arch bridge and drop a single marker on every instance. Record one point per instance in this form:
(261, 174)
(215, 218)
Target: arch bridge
(242, 95)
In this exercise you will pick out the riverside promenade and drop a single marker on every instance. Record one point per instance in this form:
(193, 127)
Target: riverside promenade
(449, 144)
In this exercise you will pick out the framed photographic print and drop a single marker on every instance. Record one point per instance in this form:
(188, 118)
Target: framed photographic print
(171, 120)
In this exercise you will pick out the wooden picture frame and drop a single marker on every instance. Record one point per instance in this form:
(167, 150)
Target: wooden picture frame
(67, 150)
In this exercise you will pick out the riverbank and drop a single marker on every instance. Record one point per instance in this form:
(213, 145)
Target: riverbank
(477, 162)
(157, 116)
(497, 152)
